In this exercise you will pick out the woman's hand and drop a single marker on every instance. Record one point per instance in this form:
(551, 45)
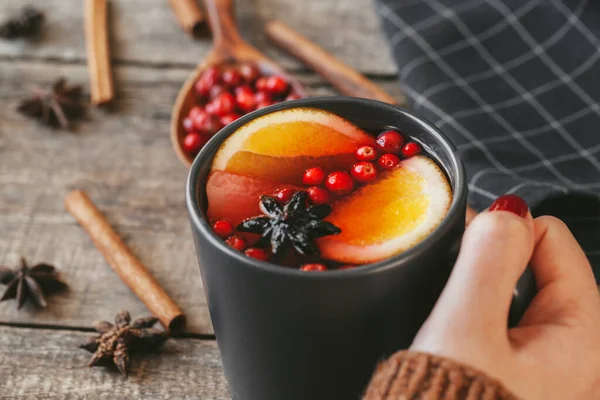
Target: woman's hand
(554, 353)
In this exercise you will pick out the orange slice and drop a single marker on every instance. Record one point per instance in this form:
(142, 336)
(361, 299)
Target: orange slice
(390, 215)
(281, 145)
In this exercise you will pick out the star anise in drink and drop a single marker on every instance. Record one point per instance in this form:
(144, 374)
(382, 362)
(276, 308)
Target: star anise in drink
(56, 108)
(292, 224)
(30, 283)
(26, 24)
(117, 341)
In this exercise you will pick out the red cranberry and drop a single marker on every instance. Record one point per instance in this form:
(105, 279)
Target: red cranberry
(261, 97)
(340, 183)
(223, 227)
(209, 78)
(276, 85)
(366, 153)
(363, 171)
(411, 149)
(221, 105)
(199, 120)
(259, 254)
(188, 124)
(249, 72)
(193, 142)
(283, 195)
(313, 176)
(313, 267)
(317, 195)
(261, 84)
(264, 104)
(208, 125)
(231, 77)
(390, 142)
(244, 98)
(195, 111)
(229, 118)
(388, 161)
(236, 242)
(216, 90)
(293, 96)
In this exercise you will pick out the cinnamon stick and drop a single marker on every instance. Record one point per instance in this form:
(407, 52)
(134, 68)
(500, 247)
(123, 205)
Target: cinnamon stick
(341, 76)
(98, 55)
(124, 263)
(189, 15)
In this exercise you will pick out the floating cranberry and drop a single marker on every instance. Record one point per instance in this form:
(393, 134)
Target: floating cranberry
(221, 105)
(261, 84)
(313, 267)
(390, 142)
(249, 72)
(244, 98)
(193, 142)
(411, 149)
(276, 85)
(340, 183)
(229, 118)
(317, 195)
(283, 195)
(262, 97)
(236, 242)
(209, 78)
(188, 124)
(388, 161)
(223, 227)
(313, 176)
(216, 90)
(259, 254)
(363, 172)
(366, 153)
(231, 77)
(293, 96)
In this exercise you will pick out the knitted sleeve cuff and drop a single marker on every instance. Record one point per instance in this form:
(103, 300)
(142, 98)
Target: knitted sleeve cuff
(414, 375)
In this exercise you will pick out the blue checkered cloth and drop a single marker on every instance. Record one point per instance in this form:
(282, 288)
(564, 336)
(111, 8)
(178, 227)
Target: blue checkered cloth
(515, 84)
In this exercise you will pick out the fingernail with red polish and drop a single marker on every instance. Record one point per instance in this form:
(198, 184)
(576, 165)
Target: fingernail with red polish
(510, 203)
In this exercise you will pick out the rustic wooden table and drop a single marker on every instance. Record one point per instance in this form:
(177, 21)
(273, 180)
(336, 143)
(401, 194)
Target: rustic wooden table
(123, 159)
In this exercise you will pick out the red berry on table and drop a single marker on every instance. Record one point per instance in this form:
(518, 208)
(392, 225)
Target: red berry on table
(217, 90)
(259, 254)
(261, 97)
(388, 161)
(363, 171)
(223, 227)
(317, 195)
(261, 84)
(276, 85)
(231, 77)
(188, 124)
(244, 98)
(313, 267)
(236, 242)
(313, 176)
(229, 118)
(283, 195)
(390, 142)
(292, 96)
(340, 183)
(222, 104)
(209, 78)
(249, 72)
(193, 142)
(195, 111)
(366, 153)
(411, 149)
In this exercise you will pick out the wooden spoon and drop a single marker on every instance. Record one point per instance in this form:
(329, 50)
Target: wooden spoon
(228, 48)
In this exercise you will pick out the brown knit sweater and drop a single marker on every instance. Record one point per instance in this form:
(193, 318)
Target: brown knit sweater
(411, 375)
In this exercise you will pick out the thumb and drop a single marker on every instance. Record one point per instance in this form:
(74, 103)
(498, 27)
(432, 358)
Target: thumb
(495, 250)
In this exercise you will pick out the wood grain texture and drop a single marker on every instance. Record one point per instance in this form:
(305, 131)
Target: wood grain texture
(124, 161)
(46, 364)
(347, 29)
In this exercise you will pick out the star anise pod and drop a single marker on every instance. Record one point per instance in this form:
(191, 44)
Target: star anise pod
(30, 283)
(293, 224)
(26, 24)
(118, 340)
(57, 107)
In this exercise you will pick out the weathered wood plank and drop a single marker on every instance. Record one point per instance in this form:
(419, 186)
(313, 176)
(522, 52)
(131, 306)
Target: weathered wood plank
(46, 364)
(123, 159)
(146, 32)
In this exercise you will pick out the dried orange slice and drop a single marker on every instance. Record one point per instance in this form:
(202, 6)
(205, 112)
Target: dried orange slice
(390, 215)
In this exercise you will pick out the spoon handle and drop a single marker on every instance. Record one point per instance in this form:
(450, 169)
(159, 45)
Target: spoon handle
(222, 23)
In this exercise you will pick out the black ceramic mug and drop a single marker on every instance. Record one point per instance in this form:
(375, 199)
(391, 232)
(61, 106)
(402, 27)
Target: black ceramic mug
(285, 334)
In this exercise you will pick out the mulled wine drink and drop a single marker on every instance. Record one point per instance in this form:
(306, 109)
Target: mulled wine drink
(304, 188)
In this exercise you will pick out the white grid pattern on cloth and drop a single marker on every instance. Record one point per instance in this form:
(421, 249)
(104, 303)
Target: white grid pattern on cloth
(522, 112)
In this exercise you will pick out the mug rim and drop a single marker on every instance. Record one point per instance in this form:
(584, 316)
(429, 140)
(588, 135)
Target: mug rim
(207, 153)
